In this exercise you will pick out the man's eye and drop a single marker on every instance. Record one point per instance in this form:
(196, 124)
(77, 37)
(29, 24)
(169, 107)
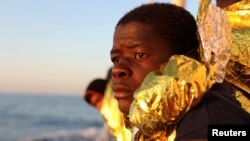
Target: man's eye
(115, 59)
(140, 56)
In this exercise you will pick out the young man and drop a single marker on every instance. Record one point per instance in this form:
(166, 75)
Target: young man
(144, 40)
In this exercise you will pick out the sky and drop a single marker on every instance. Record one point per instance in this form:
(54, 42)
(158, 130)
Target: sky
(56, 47)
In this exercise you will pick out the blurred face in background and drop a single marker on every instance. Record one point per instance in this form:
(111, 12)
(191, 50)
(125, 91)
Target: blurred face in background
(95, 99)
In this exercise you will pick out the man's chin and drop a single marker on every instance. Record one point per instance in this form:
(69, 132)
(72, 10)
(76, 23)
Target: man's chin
(124, 106)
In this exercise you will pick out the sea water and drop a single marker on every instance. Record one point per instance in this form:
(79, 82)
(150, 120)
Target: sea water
(47, 118)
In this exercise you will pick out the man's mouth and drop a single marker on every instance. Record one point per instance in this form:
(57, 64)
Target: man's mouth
(121, 91)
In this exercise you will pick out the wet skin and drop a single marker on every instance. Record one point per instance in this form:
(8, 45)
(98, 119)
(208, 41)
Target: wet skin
(137, 50)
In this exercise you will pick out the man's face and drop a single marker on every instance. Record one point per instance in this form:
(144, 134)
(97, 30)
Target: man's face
(137, 50)
(96, 100)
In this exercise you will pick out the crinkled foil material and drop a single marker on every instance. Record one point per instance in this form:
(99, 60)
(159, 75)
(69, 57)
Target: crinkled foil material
(202, 9)
(113, 117)
(215, 35)
(242, 97)
(238, 69)
(166, 95)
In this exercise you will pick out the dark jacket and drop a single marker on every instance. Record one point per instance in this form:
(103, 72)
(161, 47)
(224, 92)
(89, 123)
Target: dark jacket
(218, 106)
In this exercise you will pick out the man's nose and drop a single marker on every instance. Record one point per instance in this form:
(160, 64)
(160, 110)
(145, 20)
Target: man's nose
(121, 71)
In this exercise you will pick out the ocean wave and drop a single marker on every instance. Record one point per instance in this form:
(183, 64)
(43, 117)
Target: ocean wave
(41, 118)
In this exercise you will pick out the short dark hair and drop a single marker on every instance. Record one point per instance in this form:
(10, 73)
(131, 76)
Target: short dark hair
(173, 24)
(98, 86)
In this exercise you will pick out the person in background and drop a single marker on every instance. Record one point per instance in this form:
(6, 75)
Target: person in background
(95, 92)
(160, 81)
(93, 95)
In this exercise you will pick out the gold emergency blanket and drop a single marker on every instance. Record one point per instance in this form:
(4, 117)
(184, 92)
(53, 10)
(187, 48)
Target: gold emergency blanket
(216, 40)
(166, 95)
(238, 69)
(113, 117)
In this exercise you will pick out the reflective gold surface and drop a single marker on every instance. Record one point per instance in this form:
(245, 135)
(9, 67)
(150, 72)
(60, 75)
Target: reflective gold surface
(238, 69)
(216, 40)
(202, 9)
(113, 117)
(165, 96)
(241, 96)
